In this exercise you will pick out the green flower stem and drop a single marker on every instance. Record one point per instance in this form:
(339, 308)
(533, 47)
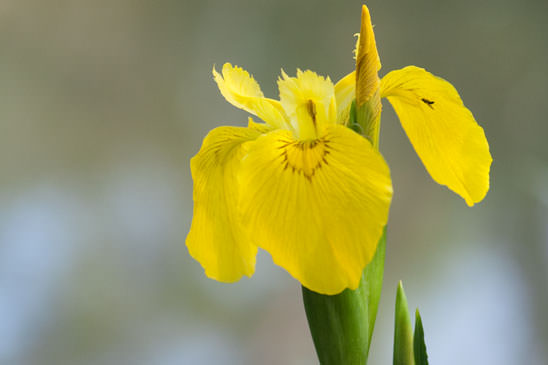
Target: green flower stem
(342, 324)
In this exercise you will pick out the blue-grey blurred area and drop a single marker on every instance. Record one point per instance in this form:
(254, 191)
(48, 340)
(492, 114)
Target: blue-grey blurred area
(103, 103)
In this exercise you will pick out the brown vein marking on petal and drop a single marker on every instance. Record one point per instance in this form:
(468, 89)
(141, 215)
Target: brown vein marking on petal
(428, 102)
(304, 157)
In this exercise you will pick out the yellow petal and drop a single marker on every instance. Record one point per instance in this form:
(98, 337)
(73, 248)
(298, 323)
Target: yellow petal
(241, 90)
(309, 101)
(259, 127)
(345, 92)
(215, 238)
(318, 207)
(451, 145)
(367, 61)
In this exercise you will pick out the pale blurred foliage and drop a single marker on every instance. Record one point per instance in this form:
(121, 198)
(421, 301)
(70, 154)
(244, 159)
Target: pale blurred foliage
(102, 103)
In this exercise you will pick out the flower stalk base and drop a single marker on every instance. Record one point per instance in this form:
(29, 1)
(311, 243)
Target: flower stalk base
(342, 325)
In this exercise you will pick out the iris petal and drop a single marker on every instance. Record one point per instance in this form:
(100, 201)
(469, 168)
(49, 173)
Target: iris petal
(444, 133)
(345, 93)
(318, 207)
(241, 90)
(216, 239)
(309, 101)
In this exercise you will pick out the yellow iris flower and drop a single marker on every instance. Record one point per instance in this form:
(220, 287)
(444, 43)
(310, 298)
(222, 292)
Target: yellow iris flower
(305, 187)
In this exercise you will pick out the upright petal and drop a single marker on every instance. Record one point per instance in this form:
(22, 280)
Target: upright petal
(345, 93)
(451, 145)
(318, 206)
(215, 238)
(309, 101)
(242, 91)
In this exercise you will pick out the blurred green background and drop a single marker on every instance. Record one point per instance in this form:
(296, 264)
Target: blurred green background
(102, 104)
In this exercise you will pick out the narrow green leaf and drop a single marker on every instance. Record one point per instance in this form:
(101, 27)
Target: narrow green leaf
(342, 325)
(419, 346)
(373, 275)
(403, 333)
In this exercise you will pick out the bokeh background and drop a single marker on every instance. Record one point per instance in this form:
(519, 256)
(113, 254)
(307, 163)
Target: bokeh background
(102, 104)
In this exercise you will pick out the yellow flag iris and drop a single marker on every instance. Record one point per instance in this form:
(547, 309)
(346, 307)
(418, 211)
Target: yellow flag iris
(309, 190)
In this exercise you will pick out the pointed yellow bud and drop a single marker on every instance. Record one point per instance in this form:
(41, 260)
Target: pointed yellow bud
(367, 61)
(368, 64)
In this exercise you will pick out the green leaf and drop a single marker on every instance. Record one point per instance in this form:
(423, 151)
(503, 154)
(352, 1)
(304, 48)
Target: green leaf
(419, 347)
(403, 333)
(353, 121)
(368, 117)
(373, 276)
(342, 325)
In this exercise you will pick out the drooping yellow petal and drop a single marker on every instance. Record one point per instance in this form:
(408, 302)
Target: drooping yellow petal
(367, 61)
(309, 101)
(318, 207)
(216, 239)
(451, 145)
(345, 92)
(241, 90)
